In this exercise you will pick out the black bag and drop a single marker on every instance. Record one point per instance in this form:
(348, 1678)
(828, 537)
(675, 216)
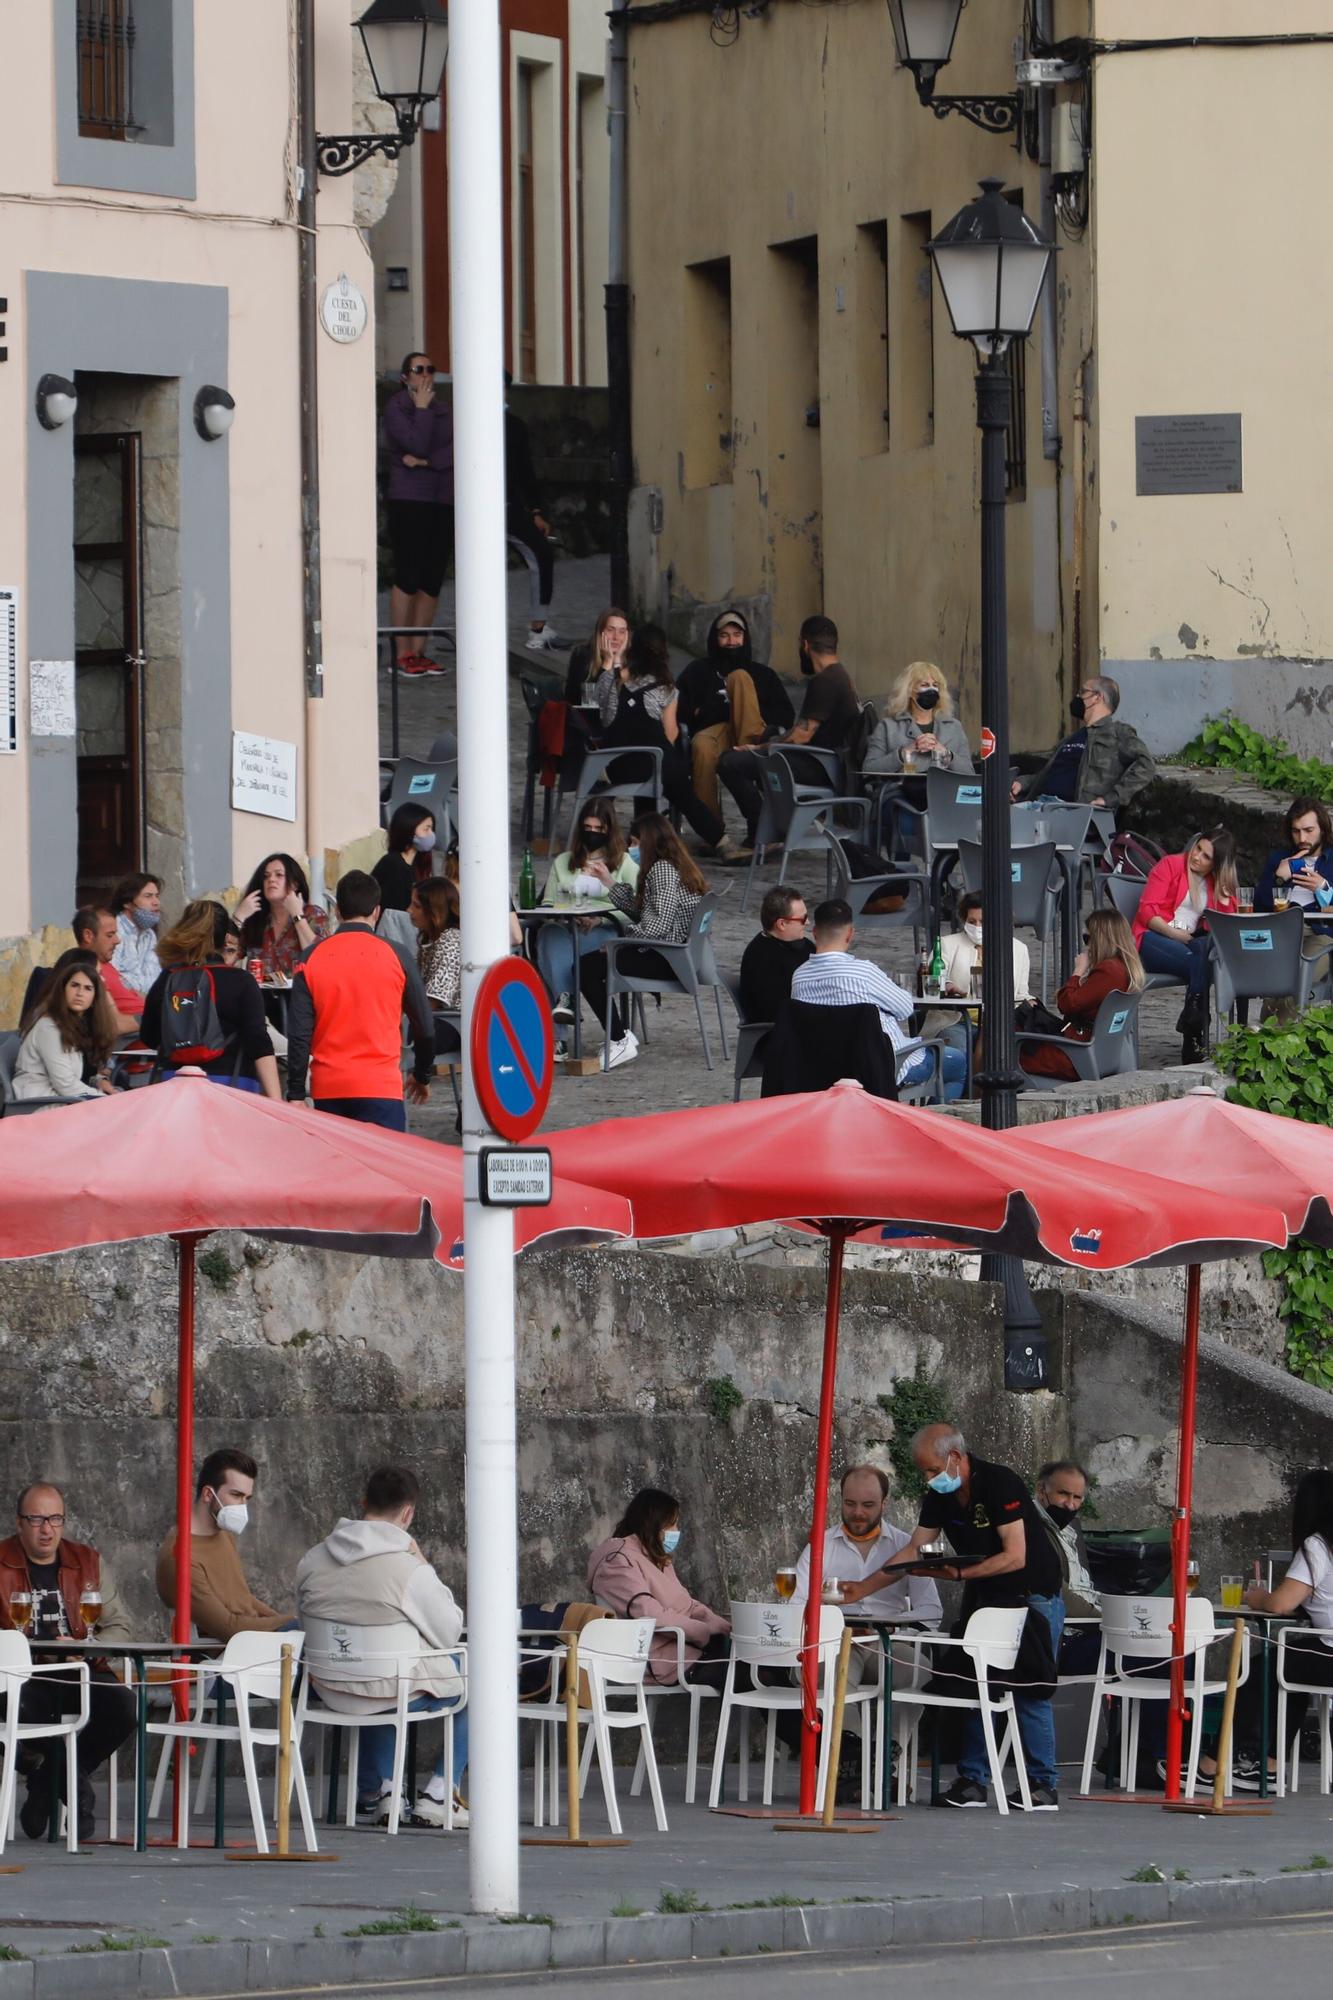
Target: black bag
(191, 1030)
(1031, 1018)
(865, 862)
(1132, 855)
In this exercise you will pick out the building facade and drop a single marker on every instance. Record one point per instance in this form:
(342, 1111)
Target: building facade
(555, 152)
(804, 419)
(152, 573)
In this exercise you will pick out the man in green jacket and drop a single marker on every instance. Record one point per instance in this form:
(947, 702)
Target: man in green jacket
(1104, 762)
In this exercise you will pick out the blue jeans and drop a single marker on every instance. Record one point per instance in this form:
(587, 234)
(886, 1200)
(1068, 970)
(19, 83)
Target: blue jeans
(1186, 962)
(555, 951)
(375, 1765)
(390, 1112)
(1036, 1721)
(953, 1064)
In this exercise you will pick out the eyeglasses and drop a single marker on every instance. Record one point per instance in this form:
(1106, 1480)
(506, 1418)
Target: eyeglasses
(795, 917)
(423, 368)
(43, 1520)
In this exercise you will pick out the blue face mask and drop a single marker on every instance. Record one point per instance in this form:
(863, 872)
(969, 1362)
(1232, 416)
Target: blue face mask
(671, 1540)
(633, 853)
(945, 1482)
(147, 920)
(423, 842)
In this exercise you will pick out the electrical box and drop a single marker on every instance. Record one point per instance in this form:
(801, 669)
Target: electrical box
(1068, 152)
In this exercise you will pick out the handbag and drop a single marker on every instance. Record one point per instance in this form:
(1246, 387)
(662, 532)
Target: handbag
(1031, 1018)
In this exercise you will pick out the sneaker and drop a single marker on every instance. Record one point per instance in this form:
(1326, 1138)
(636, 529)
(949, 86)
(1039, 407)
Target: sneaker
(375, 1809)
(413, 665)
(736, 856)
(1245, 1775)
(427, 1811)
(1043, 1800)
(436, 667)
(545, 640)
(563, 1009)
(624, 1050)
(728, 850)
(35, 1812)
(962, 1792)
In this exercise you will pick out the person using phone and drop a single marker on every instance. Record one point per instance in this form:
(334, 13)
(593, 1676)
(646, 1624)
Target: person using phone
(1302, 867)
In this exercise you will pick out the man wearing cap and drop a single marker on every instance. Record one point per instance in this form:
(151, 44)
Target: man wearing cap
(726, 699)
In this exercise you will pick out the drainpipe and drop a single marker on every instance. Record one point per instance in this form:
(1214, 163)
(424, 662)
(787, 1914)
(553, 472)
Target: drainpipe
(1080, 507)
(312, 614)
(617, 301)
(1050, 387)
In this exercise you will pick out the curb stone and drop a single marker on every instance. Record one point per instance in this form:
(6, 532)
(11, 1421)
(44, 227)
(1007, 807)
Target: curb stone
(509, 1948)
(1232, 1897)
(630, 1940)
(937, 1920)
(574, 1944)
(16, 1980)
(1034, 1913)
(201, 1968)
(1129, 1903)
(1288, 1895)
(833, 1927)
(738, 1933)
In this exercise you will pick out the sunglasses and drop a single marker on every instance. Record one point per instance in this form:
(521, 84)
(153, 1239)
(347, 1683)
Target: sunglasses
(426, 368)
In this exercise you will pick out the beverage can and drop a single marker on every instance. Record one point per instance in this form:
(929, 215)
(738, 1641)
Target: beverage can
(255, 968)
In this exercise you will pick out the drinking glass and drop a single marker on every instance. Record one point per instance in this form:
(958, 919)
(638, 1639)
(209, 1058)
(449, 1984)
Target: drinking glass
(1281, 896)
(90, 1607)
(784, 1583)
(832, 1592)
(909, 757)
(1232, 1592)
(1191, 1578)
(1245, 897)
(20, 1610)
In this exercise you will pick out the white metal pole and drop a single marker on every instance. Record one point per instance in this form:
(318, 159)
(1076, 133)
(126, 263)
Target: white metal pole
(476, 279)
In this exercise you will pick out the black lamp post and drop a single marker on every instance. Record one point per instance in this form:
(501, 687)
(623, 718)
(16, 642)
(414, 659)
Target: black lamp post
(406, 42)
(992, 263)
(923, 31)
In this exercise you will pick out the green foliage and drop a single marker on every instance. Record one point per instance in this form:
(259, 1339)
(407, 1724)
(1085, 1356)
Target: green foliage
(10, 1956)
(1149, 1872)
(624, 1908)
(215, 1265)
(139, 1941)
(1233, 745)
(914, 1401)
(409, 1918)
(722, 1397)
(679, 1903)
(1287, 1068)
(1316, 1862)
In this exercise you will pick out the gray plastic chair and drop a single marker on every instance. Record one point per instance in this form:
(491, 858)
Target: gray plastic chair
(19, 1107)
(432, 786)
(750, 1039)
(1263, 957)
(793, 813)
(858, 890)
(1112, 1051)
(693, 967)
(592, 778)
(1032, 871)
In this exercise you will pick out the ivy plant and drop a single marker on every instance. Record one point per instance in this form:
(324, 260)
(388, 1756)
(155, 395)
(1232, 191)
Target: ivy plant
(913, 1402)
(1286, 1067)
(1226, 742)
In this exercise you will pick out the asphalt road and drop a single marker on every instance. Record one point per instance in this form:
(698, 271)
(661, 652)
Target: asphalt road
(1284, 1955)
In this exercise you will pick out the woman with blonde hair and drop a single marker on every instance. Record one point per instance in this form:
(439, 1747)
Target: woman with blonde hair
(1109, 963)
(1171, 925)
(197, 945)
(919, 726)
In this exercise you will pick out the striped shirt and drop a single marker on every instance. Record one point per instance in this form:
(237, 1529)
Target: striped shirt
(837, 979)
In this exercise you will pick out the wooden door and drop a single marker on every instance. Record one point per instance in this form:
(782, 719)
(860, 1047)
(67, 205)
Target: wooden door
(108, 658)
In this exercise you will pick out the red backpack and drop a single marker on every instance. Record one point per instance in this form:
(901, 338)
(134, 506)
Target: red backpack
(1132, 855)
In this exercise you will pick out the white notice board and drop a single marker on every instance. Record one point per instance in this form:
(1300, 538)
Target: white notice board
(51, 710)
(9, 670)
(263, 775)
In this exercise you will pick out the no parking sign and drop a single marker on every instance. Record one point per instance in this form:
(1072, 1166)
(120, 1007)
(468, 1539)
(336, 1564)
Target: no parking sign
(513, 1048)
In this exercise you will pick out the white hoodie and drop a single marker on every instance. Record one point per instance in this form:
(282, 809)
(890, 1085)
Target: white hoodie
(368, 1577)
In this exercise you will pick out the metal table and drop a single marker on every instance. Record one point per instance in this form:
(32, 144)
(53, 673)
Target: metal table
(1069, 859)
(569, 913)
(887, 1628)
(1266, 1619)
(956, 1003)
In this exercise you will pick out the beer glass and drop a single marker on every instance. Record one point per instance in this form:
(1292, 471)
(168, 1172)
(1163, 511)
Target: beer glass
(90, 1608)
(1191, 1578)
(784, 1584)
(20, 1610)
(1281, 896)
(1232, 1589)
(832, 1592)
(1245, 897)
(909, 757)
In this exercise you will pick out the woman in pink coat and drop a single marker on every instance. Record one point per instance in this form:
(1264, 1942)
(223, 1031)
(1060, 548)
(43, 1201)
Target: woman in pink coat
(632, 1573)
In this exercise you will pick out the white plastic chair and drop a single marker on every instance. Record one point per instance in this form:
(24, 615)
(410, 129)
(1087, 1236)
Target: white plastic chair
(16, 1670)
(655, 1691)
(990, 1640)
(1139, 1628)
(252, 1664)
(770, 1636)
(1290, 1683)
(613, 1652)
(341, 1652)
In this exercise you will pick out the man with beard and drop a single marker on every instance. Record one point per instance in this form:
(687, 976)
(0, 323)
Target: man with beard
(727, 700)
(829, 715)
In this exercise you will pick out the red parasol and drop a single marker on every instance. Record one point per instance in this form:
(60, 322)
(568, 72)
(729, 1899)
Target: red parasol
(848, 1164)
(1205, 1143)
(185, 1158)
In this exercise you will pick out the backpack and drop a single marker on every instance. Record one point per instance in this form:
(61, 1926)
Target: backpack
(858, 739)
(191, 1030)
(1132, 855)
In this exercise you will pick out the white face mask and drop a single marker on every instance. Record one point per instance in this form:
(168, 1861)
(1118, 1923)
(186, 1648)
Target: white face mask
(973, 931)
(233, 1519)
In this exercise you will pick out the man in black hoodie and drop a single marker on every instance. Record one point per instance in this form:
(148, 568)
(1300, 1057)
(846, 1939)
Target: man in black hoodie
(725, 700)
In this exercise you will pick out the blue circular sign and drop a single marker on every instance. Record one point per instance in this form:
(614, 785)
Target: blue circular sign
(513, 1048)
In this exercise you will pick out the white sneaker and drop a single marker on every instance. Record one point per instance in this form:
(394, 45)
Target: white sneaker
(545, 639)
(563, 1009)
(376, 1812)
(624, 1050)
(427, 1811)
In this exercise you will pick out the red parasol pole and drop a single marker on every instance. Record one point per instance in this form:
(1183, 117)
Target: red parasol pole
(1180, 1530)
(185, 1246)
(837, 1240)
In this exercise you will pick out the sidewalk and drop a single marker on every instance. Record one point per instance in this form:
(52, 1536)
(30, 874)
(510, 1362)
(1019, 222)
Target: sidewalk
(713, 1885)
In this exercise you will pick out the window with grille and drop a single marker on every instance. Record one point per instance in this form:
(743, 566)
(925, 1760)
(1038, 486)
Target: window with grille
(106, 38)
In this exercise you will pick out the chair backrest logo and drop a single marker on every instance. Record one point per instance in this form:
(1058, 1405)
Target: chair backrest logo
(422, 781)
(1256, 940)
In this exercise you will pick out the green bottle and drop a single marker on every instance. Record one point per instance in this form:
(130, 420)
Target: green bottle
(527, 882)
(937, 967)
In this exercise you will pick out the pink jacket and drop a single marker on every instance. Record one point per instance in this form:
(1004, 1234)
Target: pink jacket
(622, 1575)
(1166, 889)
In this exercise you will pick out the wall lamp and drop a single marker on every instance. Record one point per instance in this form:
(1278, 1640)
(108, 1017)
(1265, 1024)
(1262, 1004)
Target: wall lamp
(924, 31)
(406, 42)
(57, 400)
(214, 412)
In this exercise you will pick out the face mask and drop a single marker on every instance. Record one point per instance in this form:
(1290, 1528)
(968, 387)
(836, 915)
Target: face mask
(1076, 707)
(633, 853)
(927, 697)
(945, 1482)
(671, 1540)
(807, 664)
(592, 841)
(147, 920)
(1063, 1517)
(234, 1519)
(423, 842)
(973, 931)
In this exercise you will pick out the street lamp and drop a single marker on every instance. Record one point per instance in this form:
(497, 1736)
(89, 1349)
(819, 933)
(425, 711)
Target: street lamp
(406, 42)
(924, 31)
(992, 263)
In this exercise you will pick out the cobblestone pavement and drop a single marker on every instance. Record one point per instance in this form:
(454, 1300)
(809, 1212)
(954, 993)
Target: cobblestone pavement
(670, 1071)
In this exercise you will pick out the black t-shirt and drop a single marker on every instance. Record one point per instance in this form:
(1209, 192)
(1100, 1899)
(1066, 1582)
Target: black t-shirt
(996, 1499)
(50, 1620)
(397, 879)
(767, 966)
(240, 1006)
(1061, 780)
(831, 702)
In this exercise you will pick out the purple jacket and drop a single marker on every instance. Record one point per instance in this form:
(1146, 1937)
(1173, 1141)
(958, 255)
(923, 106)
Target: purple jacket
(415, 433)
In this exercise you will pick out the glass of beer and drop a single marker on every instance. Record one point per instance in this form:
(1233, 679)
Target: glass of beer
(1232, 1590)
(1191, 1578)
(90, 1608)
(1245, 897)
(20, 1610)
(784, 1583)
(832, 1591)
(908, 754)
(1281, 896)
